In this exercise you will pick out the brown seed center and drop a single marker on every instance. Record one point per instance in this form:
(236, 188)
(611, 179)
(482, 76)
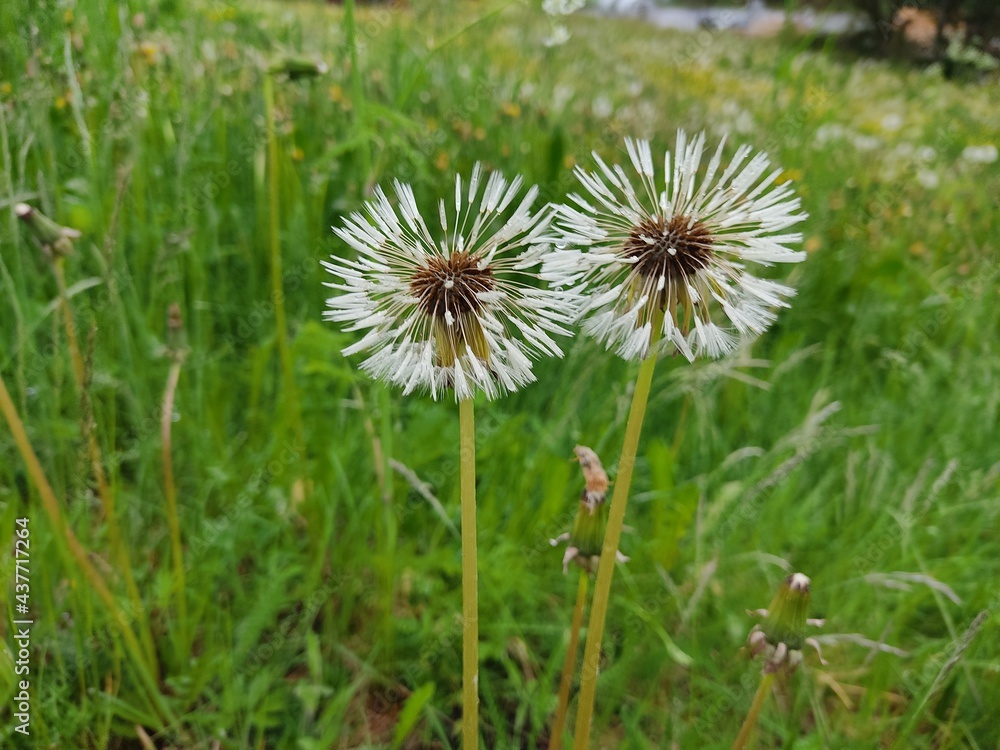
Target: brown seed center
(675, 248)
(450, 285)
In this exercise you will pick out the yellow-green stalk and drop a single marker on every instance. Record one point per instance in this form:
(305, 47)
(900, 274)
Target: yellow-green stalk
(70, 546)
(56, 242)
(569, 666)
(751, 718)
(277, 290)
(470, 591)
(616, 519)
(584, 548)
(178, 352)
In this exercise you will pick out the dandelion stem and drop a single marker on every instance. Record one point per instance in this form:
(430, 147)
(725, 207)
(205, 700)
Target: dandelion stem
(170, 490)
(559, 722)
(277, 290)
(751, 719)
(612, 536)
(71, 545)
(470, 594)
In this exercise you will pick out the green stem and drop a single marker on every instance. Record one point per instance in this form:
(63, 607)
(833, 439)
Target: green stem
(751, 720)
(358, 94)
(559, 722)
(470, 594)
(170, 490)
(277, 289)
(612, 536)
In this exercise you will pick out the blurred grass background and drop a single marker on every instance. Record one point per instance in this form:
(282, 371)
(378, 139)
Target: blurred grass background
(855, 442)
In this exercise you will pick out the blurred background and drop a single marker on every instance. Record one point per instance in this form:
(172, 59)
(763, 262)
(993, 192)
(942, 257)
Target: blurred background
(276, 536)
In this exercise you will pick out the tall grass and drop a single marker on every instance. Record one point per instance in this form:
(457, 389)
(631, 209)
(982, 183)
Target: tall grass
(855, 441)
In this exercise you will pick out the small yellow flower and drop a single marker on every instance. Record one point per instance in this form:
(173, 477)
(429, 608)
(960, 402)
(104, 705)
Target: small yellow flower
(511, 109)
(441, 161)
(337, 96)
(150, 51)
(5, 88)
(812, 244)
(297, 154)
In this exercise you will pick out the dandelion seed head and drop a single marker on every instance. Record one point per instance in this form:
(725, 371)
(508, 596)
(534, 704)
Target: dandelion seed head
(636, 247)
(461, 311)
(674, 248)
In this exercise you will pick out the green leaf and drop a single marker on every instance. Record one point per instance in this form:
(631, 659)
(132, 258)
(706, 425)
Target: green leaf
(411, 713)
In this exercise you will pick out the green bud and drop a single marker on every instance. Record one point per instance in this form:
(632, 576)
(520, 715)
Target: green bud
(780, 636)
(587, 535)
(54, 239)
(296, 67)
(786, 617)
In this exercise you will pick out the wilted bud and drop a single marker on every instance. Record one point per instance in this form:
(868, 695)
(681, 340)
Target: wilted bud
(297, 67)
(55, 240)
(781, 635)
(587, 536)
(176, 340)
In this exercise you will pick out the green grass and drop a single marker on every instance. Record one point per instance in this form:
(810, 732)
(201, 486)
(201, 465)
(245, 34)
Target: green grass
(855, 440)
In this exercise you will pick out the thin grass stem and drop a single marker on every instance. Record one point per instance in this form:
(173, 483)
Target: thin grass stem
(569, 667)
(170, 491)
(104, 491)
(470, 593)
(612, 536)
(72, 339)
(751, 718)
(70, 546)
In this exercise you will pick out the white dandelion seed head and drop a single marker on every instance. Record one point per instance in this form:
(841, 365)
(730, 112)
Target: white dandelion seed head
(558, 37)
(561, 7)
(674, 253)
(986, 154)
(457, 309)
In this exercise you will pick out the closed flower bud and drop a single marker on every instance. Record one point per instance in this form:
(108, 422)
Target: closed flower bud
(587, 535)
(781, 635)
(55, 240)
(297, 67)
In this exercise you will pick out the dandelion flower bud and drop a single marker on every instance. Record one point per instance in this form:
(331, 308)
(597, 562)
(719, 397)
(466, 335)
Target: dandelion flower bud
(297, 67)
(780, 636)
(587, 535)
(55, 240)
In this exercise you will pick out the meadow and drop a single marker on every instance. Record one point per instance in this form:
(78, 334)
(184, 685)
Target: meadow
(309, 595)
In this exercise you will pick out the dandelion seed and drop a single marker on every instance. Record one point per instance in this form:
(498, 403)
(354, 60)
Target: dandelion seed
(559, 36)
(457, 309)
(680, 250)
(986, 154)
